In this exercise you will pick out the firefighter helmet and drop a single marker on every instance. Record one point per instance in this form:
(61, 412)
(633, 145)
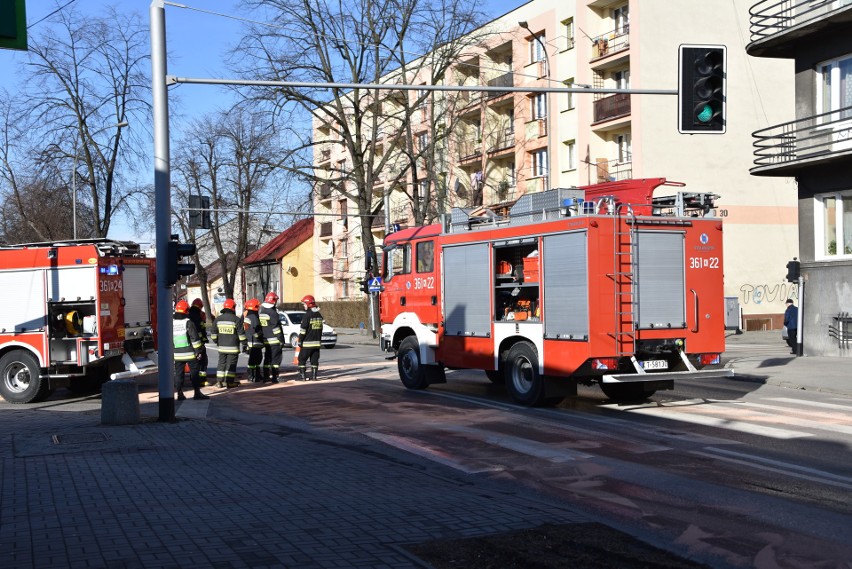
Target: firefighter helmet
(309, 301)
(229, 304)
(182, 307)
(271, 298)
(198, 303)
(252, 304)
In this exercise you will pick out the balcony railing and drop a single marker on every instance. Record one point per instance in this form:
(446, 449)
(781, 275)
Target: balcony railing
(614, 170)
(378, 221)
(771, 17)
(505, 80)
(804, 140)
(503, 140)
(611, 42)
(326, 266)
(617, 105)
(325, 229)
(325, 192)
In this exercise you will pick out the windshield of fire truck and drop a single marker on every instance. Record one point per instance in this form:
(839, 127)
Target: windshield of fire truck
(397, 260)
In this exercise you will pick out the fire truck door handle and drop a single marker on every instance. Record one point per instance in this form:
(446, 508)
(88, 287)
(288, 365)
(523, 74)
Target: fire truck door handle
(695, 302)
(434, 300)
(402, 301)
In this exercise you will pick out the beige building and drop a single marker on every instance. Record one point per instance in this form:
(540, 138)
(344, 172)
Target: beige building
(505, 144)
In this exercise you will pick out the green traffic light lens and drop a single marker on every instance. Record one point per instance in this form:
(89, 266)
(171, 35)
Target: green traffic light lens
(705, 114)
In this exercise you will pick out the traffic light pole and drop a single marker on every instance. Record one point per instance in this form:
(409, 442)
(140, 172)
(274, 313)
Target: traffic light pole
(162, 210)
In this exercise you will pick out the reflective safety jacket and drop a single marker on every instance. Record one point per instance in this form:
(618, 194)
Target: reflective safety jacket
(271, 323)
(227, 332)
(187, 342)
(310, 334)
(253, 331)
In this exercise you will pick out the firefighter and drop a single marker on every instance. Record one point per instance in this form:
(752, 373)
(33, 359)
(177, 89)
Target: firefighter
(273, 337)
(199, 318)
(188, 349)
(310, 338)
(227, 333)
(254, 340)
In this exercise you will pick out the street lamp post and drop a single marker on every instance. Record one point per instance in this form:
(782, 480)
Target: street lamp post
(537, 38)
(120, 125)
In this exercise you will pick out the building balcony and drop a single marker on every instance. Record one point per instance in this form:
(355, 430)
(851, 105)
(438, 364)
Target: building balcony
(614, 106)
(325, 230)
(326, 268)
(613, 170)
(790, 148)
(606, 46)
(469, 152)
(505, 80)
(324, 156)
(378, 221)
(324, 192)
(503, 143)
(781, 28)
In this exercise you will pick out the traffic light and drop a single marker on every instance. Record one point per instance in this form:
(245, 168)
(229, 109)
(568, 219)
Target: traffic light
(199, 212)
(13, 24)
(365, 284)
(701, 89)
(174, 268)
(793, 271)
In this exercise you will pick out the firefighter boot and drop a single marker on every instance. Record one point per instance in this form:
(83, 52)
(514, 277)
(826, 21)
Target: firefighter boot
(314, 371)
(199, 395)
(180, 395)
(302, 376)
(273, 375)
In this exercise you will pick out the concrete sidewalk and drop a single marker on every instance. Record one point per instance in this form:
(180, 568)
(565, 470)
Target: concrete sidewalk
(202, 493)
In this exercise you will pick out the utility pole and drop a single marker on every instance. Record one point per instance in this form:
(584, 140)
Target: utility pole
(548, 123)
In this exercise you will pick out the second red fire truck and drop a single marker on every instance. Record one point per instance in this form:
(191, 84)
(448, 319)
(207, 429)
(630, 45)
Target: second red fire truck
(604, 284)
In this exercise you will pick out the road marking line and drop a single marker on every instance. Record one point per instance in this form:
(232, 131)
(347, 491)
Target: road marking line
(733, 425)
(521, 445)
(429, 453)
(786, 468)
(845, 408)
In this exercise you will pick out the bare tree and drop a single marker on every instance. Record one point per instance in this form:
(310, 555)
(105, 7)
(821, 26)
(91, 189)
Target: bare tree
(358, 41)
(235, 159)
(86, 79)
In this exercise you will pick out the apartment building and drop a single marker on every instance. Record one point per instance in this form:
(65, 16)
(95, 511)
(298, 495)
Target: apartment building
(812, 145)
(506, 143)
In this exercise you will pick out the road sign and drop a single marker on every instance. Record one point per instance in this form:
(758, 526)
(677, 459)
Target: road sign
(375, 284)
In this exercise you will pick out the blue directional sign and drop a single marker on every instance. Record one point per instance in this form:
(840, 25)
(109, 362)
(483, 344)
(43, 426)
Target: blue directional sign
(375, 284)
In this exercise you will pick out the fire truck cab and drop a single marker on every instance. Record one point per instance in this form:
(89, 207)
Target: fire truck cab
(603, 284)
(75, 315)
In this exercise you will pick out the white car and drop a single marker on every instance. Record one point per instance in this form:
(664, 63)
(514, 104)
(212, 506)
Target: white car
(291, 322)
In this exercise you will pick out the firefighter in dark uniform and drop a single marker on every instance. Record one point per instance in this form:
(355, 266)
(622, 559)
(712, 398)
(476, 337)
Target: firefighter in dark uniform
(199, 318)
(253, 332)
(188, 348)
(310, 339)
(273, 337)
(227, 333)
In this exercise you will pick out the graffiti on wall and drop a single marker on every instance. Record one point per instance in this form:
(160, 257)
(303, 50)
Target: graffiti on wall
(768, 293)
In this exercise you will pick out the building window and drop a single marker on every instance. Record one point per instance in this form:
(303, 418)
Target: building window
(621, 16)
(537, 43)
(834, 87)
(833, 225)
(569, 97)
(423, 141)
(539, 163)
(622, 79)
(539, 106)
(571, 154)
(510, 174)
(624, 149)
(569, 33)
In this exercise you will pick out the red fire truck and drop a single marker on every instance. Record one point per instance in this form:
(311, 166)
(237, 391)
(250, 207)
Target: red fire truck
(603, 284)
(74, 315)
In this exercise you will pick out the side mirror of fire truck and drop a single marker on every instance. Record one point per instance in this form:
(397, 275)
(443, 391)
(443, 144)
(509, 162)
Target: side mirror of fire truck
(175, 269)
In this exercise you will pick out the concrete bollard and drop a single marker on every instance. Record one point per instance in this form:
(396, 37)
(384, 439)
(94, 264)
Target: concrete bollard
(120, 402)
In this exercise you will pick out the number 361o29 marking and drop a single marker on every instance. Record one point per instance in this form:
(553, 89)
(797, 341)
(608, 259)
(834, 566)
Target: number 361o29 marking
(704, 263)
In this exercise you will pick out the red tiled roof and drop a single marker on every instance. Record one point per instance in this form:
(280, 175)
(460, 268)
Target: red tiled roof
(285, 242)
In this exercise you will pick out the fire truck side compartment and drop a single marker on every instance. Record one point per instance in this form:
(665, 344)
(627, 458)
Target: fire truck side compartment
(566, 286)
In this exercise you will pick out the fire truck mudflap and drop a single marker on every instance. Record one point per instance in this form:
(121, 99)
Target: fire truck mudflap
(604, 285)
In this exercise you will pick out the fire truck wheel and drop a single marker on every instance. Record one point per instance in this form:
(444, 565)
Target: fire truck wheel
(412, 374)
(20, 378)
(626, 391)
(524, 383)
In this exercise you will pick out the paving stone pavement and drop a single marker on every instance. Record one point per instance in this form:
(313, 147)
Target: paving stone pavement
(198, 493)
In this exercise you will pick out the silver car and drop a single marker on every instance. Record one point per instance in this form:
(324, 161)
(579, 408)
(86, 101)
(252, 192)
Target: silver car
(291, 322)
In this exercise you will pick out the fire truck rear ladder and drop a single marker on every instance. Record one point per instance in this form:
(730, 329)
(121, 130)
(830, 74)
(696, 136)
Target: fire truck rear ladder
(624, 281)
